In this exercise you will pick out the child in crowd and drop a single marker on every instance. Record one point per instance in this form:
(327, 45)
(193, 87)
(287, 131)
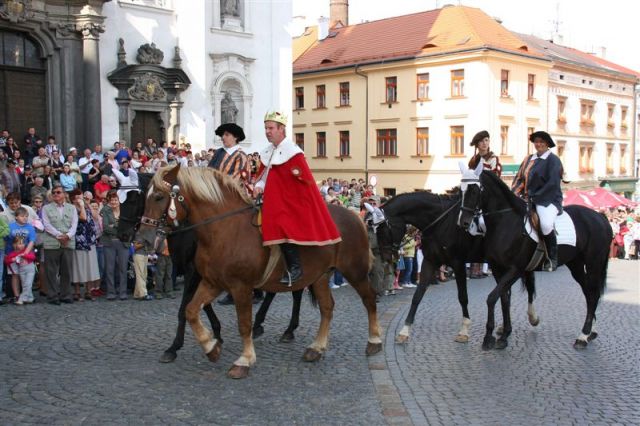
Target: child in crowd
(21, 266)
(21, 228)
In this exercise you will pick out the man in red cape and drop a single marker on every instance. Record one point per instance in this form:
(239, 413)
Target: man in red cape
(293, 211)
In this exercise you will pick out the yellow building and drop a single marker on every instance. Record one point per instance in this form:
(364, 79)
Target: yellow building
(401, 98)
(591, 116)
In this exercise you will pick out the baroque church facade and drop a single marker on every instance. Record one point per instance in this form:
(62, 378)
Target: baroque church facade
(98, 71)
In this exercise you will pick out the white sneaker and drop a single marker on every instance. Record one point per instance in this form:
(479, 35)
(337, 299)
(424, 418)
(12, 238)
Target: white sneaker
(332, 286)
(409, 285)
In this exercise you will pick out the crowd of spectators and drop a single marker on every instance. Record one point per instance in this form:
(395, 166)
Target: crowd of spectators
(60, 212)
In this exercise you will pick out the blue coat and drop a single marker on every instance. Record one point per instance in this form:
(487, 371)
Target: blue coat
(543, 183)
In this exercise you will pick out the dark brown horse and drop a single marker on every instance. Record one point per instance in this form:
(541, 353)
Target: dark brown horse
(230, 256)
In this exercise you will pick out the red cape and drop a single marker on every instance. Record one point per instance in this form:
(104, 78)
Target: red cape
(293, 210)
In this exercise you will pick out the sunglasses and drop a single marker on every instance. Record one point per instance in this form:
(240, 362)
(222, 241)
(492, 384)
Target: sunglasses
(57, 192)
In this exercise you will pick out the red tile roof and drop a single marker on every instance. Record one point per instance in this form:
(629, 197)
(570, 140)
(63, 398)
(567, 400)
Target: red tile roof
(450, 29)
(559, 53)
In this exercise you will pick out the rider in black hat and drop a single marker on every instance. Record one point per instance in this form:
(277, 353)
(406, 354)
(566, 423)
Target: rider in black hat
(538, 181)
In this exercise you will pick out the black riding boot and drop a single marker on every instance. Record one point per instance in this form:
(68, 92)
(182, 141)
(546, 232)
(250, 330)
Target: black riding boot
(552, 252)
(294, 268)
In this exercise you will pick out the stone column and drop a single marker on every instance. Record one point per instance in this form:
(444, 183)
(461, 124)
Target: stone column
(91, 29)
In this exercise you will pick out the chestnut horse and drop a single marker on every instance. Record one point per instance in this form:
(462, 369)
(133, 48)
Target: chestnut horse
(230, 256)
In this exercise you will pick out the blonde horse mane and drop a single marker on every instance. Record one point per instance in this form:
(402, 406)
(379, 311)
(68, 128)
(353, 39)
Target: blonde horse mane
(203, 183)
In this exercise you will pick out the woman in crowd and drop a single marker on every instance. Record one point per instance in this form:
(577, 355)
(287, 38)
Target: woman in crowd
(94, 172)
(116, 253)
(84, 266)
(68, 179)
(96, 207)
(56, 164)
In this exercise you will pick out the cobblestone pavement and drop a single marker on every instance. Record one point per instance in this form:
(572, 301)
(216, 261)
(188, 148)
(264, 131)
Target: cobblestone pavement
(96, 363)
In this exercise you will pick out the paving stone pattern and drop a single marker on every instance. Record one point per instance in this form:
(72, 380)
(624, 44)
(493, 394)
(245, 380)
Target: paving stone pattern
(96, 363)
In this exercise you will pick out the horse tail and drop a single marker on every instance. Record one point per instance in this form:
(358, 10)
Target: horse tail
(312, 297)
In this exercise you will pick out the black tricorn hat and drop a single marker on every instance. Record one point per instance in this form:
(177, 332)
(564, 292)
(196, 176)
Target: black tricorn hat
(544, 136)
(232, 128)
(478, 137)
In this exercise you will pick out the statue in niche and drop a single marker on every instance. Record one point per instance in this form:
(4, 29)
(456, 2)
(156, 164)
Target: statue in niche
(230, 7)
(228, 109)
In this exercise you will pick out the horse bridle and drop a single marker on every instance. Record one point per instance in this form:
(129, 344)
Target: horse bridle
(174, 194)
(477, 211)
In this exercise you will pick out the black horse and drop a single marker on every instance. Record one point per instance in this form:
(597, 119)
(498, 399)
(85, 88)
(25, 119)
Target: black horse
(182, 246)
(443, 242)
(509, 249)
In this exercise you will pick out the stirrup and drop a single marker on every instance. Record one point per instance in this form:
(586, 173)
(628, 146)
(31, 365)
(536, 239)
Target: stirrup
(286, 279)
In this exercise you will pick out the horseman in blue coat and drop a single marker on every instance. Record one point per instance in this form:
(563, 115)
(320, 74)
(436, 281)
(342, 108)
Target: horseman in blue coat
(538, 181)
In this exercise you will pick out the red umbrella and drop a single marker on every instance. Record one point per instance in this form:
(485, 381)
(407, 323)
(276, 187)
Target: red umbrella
(607, 198)
(580, 198)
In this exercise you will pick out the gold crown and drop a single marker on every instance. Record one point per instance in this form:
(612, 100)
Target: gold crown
(276, 116)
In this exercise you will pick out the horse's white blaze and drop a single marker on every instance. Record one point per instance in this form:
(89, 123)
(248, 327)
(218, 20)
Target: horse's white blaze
(464, 329)
(531, 312)
(150, 190)
(375, 339)
(210, 345)
(583, 337)
(406, 330)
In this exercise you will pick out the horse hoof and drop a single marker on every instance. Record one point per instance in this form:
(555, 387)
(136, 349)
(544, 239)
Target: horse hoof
(499, 331)
(258, 331)
(214, 354)
(168, 357)
(535, 322)
(373, 348)
(580, 344)
(592, 336)
(488, 343)
(311, 355)
(501, 344)
(238, 372)
(461, 338)
(287, 337)
(402, 339)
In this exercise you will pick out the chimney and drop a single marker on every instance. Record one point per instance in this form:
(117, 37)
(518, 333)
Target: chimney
(603, 52)
(323, 27)
(339, 13)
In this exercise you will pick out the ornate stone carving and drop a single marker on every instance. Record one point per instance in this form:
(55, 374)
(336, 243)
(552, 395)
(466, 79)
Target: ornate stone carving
(66, 29)
(122, 54)
(228, 109)
(91, 30)
(149, 54)
(15, 10)
(147, 87)
(230, 7)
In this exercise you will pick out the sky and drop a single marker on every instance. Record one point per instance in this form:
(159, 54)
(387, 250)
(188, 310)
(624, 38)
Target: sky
(586, 25)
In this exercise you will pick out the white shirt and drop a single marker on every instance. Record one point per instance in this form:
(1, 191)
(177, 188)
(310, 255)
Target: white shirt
(131, 180)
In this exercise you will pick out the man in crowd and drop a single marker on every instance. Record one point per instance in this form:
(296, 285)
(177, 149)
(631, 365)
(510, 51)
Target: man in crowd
(60, 220)
(85, 166)
(293, 210)
(10, 178)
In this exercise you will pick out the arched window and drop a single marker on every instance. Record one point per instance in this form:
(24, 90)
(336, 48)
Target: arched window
(19, 51)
